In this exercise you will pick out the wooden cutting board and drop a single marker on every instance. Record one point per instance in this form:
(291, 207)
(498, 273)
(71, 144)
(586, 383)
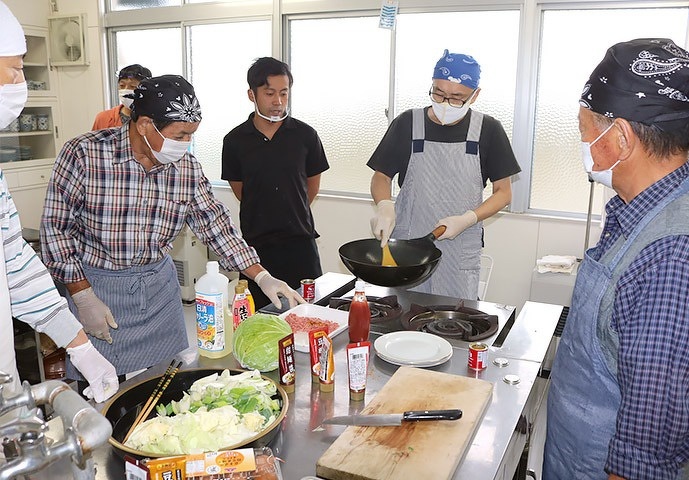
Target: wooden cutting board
(431, 449)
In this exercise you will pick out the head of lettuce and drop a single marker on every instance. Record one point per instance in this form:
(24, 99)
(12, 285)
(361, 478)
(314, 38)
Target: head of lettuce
(255, 343)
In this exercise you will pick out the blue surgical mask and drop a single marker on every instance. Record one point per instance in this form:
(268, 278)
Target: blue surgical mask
(604, 177)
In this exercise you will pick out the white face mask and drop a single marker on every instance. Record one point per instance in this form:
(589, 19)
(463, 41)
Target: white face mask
(447, 114)
(272, 118)
(171, 151)
(127, 102)
(12, 100)
(604, 177)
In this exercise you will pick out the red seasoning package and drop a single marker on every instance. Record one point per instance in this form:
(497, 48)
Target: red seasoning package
(316, 340)
(286, 362)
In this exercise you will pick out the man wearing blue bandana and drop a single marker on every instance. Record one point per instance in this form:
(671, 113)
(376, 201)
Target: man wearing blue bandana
(617, 404)
(443, 155)
(116, 201)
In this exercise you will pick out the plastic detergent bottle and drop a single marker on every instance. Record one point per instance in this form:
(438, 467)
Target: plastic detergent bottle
(213, 317)
(252, 305)
(240, 305)
(359, 314)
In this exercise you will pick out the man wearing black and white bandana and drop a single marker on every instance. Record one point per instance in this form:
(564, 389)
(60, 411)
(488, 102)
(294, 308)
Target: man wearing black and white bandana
(617, 405)
(116, 200)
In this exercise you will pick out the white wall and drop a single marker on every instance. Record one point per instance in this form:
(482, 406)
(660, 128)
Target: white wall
(514, 241)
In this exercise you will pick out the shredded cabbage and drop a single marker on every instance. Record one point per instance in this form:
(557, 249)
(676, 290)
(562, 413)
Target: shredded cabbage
(218, 411)
(255, 343)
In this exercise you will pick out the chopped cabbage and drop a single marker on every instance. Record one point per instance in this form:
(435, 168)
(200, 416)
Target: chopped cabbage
(218, 411)
(255, 342)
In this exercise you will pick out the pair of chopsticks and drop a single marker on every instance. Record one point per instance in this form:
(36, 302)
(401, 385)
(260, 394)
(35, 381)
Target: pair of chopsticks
(154, 397)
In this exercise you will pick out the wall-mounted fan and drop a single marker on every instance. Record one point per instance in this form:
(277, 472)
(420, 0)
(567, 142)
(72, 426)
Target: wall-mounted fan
(67, 40)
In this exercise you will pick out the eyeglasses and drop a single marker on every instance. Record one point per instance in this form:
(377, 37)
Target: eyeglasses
(454, 102)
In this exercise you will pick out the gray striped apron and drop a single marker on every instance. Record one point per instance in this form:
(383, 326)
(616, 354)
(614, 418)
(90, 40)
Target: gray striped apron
(147, 306)
(444, 179)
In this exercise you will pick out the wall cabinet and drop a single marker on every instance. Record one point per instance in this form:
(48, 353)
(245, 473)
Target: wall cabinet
(28, 146)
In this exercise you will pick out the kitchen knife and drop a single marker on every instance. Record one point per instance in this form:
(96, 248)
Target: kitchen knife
(394, 419)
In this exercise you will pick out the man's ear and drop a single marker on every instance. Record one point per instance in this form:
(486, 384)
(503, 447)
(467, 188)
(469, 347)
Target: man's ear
(250, 93)
(141, 124)
(626, 138)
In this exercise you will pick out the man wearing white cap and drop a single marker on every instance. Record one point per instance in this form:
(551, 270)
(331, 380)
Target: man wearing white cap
(443, 156)
(27, 291)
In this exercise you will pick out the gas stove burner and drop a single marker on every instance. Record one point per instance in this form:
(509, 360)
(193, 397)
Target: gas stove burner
(451, 321)
(383, 309)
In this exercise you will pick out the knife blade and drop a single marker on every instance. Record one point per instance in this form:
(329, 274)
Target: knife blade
(394, 419)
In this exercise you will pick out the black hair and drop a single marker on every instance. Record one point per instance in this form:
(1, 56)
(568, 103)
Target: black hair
(134, 71)
(160, 124)
(265, 67)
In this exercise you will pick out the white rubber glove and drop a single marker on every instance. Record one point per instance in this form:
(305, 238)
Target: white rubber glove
(384, 221)
(457, 224)
(94, 315)
(100, 373)
(273, 287)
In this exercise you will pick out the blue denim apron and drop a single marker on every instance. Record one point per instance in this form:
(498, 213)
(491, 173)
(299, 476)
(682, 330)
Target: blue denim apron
(584, 395)
(444, 179)
(147, 306)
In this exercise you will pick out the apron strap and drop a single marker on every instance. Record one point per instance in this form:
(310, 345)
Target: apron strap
(418, 130)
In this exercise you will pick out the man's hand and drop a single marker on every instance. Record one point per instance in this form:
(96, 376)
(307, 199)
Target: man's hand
(100, 373)
(94, 315)
(273, 287)
(457, 224)
(383, 222)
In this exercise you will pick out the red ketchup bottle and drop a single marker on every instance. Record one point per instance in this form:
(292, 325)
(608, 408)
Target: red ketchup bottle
(359, 315)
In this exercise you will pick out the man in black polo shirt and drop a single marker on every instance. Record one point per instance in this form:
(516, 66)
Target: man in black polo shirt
(273, 163)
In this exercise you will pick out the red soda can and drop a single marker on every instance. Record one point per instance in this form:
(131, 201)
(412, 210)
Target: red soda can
(478, 356)
(308, 289)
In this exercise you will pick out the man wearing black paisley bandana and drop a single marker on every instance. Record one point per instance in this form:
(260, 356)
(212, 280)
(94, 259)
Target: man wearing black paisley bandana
(617, 405)
(116, 201)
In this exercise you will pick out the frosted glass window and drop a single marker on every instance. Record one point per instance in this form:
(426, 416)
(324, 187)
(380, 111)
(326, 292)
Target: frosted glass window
(135, 4)
(422, 38)
(341, 71)
(158, 49)
(558, 180)
(220, 82)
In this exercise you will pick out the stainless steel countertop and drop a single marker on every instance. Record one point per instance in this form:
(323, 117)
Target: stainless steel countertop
(488, 456)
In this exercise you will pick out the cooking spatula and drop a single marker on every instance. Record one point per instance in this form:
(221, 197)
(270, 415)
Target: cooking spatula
(388, 260)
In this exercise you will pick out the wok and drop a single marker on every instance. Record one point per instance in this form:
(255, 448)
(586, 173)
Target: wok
(123, 408)
(416, 259)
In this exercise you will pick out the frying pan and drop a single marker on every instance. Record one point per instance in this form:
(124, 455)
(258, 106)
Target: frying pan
(416, 259)
(126, 404)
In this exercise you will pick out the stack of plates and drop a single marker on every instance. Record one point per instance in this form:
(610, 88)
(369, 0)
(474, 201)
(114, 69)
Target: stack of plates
(411, 348)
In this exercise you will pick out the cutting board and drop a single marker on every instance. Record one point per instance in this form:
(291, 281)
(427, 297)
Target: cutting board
(421, 450)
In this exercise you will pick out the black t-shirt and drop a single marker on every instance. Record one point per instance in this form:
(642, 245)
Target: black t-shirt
(275, 204)
(392, 154)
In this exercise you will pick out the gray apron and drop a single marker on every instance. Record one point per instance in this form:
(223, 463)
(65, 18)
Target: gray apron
(147, 306)
(444, 179)
(584, 395)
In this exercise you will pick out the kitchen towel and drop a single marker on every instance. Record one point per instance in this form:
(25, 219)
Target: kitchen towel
(556, 264)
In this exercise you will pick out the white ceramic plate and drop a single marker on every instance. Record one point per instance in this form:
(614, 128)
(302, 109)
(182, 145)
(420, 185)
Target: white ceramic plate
(301, 339)
(418, 349)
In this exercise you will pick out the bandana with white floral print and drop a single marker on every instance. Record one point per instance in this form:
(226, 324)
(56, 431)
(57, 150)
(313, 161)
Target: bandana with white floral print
(167, 98)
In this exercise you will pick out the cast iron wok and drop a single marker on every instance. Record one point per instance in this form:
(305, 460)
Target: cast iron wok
(123, 408)
(416, 259)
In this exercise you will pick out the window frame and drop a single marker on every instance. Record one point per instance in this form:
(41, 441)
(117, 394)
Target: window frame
(282, 12)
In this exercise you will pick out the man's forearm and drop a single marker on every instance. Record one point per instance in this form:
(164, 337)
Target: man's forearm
(75, 287)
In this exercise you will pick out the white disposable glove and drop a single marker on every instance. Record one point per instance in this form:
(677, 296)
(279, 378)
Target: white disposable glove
(384, 221)
(273, 287)
(457, 224)
(94, 315)
(100, 373)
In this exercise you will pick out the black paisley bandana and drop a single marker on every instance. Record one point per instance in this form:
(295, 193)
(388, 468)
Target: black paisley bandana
(168, 97)
(644, 80)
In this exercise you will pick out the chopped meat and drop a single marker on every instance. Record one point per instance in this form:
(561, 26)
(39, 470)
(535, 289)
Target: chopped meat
(306, 324)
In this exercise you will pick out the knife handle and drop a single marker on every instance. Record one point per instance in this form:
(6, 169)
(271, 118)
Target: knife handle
(414, 415)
